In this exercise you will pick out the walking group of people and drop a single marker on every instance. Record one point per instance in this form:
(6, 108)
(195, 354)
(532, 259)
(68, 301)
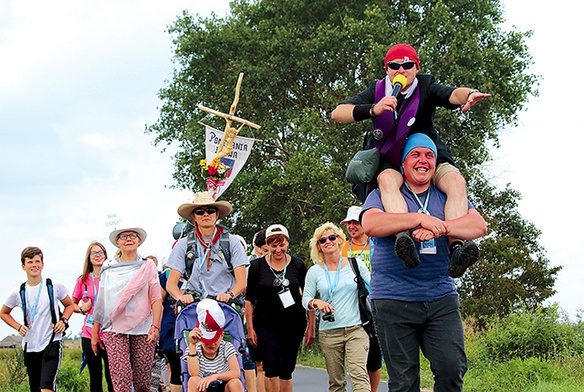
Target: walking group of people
(410, 238)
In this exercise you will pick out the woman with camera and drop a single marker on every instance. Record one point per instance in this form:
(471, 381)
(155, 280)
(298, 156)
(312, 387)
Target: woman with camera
(276, 319)
(330, 289)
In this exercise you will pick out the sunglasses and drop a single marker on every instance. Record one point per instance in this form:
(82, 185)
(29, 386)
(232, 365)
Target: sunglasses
(395, 66)
(208, 210)
(331, 237)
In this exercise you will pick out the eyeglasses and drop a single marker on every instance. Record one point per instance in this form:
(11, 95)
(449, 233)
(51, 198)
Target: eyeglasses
(331, 238)
(395, 66)
(131, 236)
(100, 253)
(208, 210)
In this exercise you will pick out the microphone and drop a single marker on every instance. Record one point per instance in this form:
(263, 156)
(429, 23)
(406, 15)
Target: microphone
(399, 82)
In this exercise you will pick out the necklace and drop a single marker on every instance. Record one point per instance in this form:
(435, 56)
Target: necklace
(280, 277)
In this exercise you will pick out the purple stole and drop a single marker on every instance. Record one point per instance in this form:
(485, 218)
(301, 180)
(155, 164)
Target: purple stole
(391, 142)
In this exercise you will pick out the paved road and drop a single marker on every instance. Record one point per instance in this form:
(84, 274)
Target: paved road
(316, 380)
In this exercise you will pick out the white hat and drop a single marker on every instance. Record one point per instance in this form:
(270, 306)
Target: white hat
(204, 199)
(210, 320)
(114, 234)
(352, 214)
(275, 230)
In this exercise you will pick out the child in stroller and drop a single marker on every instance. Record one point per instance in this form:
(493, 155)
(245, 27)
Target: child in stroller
(210, 363)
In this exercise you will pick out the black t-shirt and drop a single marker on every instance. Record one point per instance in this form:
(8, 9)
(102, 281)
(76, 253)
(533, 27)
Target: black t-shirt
(262, 293)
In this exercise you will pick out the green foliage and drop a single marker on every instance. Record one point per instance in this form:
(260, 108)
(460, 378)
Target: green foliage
(69, 378)
(515, 375)
(300, 59)
(536, 334)
(15, 371)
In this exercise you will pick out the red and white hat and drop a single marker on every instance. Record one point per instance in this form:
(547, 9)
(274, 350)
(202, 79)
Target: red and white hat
(210, 320)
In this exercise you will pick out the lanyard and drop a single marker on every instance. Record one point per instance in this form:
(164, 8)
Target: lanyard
(333, 286)
(362, 249)
(94, 289)
(281, 277)
(34, 310)
(423, 208)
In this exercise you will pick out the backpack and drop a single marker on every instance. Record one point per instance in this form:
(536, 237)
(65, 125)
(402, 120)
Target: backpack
(51, 301)
(191, 253)
(51, 305)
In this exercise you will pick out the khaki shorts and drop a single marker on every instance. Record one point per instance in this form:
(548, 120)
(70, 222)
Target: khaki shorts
(441, 170)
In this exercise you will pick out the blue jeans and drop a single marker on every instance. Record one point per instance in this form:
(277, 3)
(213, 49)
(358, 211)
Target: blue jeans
(403, 328)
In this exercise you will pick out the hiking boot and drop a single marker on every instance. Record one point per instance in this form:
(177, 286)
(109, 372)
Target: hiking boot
(462, 257)
(405, 249)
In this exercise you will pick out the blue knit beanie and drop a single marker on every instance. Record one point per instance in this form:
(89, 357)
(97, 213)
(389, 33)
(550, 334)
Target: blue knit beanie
(418, 140)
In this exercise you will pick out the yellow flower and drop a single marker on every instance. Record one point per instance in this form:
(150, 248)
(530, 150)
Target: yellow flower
(203, 163)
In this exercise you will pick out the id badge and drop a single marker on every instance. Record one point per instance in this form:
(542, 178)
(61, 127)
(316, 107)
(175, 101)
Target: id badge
(89, 321)
(428, 247)
(286, 298)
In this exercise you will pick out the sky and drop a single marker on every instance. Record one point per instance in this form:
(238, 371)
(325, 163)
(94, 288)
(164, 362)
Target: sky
(79, 82)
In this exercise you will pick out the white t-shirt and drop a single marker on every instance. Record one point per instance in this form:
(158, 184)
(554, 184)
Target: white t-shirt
(40, 323)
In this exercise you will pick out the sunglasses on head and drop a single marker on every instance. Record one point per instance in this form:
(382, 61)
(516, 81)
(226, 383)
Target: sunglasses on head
(208, 210)
(331, 237)
(406, 65)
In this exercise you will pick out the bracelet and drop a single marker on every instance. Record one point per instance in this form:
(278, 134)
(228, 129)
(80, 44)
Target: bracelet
(361, 112)
(372, 111)
(18, 330)
(471, 92)
(311, 303)
(193, 355)
(158, 328)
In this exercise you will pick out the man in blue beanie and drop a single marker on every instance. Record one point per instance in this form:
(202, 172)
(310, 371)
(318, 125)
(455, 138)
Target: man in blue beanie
(418, 308)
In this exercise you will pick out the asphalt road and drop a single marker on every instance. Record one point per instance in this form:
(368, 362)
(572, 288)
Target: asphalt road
(316, 380)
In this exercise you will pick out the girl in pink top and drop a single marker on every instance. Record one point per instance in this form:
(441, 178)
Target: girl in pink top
(84, 297)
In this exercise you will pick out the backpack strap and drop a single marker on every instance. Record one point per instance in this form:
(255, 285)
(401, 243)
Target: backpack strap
(191, 254)
(226, 249)
(23, 302)
(52, 300)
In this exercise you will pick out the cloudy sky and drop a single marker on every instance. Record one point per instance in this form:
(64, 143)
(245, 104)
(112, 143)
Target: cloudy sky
(79, 82)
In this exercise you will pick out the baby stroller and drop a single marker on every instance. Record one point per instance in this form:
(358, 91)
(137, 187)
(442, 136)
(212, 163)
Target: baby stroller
(233, 330)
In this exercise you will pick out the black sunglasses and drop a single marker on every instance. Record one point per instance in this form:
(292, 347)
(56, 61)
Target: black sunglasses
(331, 237)
(395, 66)
(208, 210)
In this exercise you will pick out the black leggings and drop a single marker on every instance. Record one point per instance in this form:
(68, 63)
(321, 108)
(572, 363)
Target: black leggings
(94, 366)
(173, 360)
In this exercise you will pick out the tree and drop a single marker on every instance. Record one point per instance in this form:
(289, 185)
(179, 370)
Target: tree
(300, 59)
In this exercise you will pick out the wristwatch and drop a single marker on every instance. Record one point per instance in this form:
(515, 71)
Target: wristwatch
(65, 321)
(471, 92)
(230, 293)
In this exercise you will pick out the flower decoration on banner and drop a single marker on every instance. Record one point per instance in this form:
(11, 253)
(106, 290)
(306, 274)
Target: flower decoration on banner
(215, 174)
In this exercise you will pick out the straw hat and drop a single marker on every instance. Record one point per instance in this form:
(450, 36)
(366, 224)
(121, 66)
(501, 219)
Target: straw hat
(204, 199)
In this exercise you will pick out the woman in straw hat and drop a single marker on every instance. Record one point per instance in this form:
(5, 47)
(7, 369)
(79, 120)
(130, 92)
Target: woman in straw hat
(216, 271)
(128, 311)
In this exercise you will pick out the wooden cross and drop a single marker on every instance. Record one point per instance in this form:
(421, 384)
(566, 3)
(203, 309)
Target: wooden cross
(226, 144)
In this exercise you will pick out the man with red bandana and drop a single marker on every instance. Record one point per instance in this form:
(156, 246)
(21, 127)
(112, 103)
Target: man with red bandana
(394, 118)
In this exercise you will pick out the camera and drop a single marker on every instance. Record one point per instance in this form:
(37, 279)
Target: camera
(330, 317)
